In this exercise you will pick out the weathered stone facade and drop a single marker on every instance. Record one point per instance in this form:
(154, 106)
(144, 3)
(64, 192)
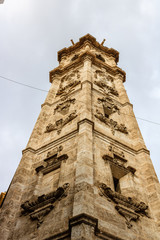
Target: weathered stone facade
(85, 173)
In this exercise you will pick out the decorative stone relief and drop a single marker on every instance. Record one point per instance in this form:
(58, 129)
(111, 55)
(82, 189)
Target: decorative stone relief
(108, 106)
(105, 82)
(51, 163)
(116, 151)
(63, 107)
(42, 205)
(130, 209)
(83, 186)
(55, 151)
(59, 124)
(111, 123)
(68, 82)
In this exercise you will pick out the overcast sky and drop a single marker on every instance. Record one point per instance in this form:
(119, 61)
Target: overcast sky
(31, 33)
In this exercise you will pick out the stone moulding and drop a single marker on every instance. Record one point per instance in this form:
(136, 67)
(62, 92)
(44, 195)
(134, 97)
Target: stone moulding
(93, 222)
(130, 209)
(43, 204)
(119, 163)
(59, 124)
(83, 219)
(111, 123)
(52, 163)
(112, 70)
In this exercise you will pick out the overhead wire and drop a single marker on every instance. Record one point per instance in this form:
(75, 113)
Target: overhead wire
(39, 89)
(23, 84)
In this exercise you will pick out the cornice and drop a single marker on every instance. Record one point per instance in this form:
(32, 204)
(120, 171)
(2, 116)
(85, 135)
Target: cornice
(88, 220)
(73, 134)
(51, 144)
(112, 70)
(121, 145)
(91, 40)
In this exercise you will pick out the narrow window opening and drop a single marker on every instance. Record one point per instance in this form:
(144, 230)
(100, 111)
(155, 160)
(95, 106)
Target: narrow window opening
(116, 185)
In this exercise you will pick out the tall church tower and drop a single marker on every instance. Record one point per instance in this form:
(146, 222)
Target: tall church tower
(85, 173)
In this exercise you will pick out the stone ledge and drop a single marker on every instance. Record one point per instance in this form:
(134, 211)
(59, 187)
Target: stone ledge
(113, 70)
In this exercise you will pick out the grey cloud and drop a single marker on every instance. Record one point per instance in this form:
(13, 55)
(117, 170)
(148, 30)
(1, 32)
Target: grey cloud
(31, 34)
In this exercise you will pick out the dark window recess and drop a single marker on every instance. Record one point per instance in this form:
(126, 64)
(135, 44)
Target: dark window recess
(116, 185)
(75, 57)
(107, 111)
(100, 57)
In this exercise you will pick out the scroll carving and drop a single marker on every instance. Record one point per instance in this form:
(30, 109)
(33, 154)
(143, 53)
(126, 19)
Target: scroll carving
(108, 105)
(130, 209)
(105, 82)
(68, 82)
(63, 107)
(43, 204)
(111, 123)
(59, 124)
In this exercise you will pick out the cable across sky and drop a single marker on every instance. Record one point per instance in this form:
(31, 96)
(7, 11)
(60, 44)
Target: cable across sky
(42, 90)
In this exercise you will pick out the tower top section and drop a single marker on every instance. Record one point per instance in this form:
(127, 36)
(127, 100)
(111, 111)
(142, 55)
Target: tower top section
(87, 46)
(90, 40)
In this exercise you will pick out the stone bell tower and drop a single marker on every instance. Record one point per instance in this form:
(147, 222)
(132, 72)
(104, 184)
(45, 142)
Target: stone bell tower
(85, 173)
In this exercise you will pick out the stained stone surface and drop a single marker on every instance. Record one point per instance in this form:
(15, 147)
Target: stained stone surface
(85, 173)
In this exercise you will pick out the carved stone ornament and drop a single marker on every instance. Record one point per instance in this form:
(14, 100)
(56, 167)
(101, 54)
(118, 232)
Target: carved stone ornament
(54, 151)
(59, 124)
(43, 204)
(105, 82)
(116, 151)
(111, 123)
(68, 82)
(130, 209)
(108, 106)
(51, 163)
(63, 107)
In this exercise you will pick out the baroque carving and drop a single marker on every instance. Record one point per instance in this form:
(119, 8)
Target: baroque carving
(68, 82)
(43, 204)
(111, 123)
(105, 82)
(117, 152)
(83, 186)
(108, 105)
(51, 163)
(130, 209)
(59, 124)
(63, 107)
